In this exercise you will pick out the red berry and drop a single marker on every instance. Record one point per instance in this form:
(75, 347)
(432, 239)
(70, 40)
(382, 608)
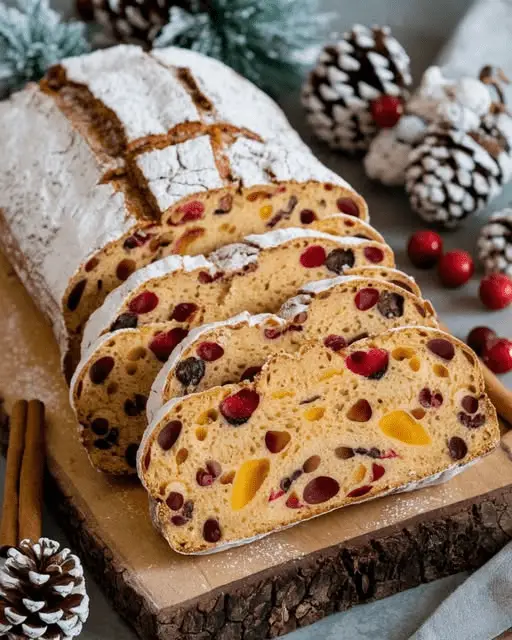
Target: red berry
(377, 472)
(373, 254)
(163, 343)
(371, 364)
(239, 407)
(498, 356)
(348, 206)
(144, 302)
(334, 342)
(387, 111)
(424, 249)
(210, 351)
(479, 338)
(366, 298)
(496, 291)
(455, 268)
(313, 257)
(183, 311)
(192, 210)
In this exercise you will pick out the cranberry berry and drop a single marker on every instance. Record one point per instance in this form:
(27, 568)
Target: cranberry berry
(387, 111)
(455, 268)
(424, 249)
(498, 356)
(480, 338)
(496, 291)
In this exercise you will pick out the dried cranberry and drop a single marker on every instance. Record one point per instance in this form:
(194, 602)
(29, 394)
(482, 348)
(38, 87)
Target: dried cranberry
(361, 411)
(313, 256)
(307, 216)
(174, 501)
(371, 364)
(338, 259)
(250, 373)
(320, 489)
(101, 369)
(169, 434)
(377, 472)
(391, 305)
(348, 206)
(144, 302)
(366, 298)
(360, 491)
(457, 448)
(131, 454)
(471, 422)
(373, 254)
(125, 321)
(76, 295)
(442, 348)
(469, 404)
(210, 351)
(336, 343)
(211, 531)
(163, 343)
(238, 408)
(100, 426)
(190, 371)
(183, 311)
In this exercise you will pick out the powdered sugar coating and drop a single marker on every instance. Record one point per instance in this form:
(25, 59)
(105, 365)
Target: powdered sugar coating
(155, 400)
(50, 186)
(146, 97)
(180, 170)
(234, 257)
(281, 236)
(103, 317)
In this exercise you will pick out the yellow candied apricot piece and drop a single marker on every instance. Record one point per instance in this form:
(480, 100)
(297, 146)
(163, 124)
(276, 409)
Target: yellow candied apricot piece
(330, 373)
(440, 371)
(266, 212)
(248, 481)
(207, 417)
(359, 474)
(415, 363)
(279, 395)
(314, 413)
(402, 426)
(402, 353)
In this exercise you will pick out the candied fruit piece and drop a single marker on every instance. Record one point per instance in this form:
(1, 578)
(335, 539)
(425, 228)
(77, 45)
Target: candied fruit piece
(313, 256)
(469, 404)
(311, 464)
(293, 501)
(314, 413)
(275, 494)
(344, 453)
(360, 491)
(442, 348)
(366, 298)
(163, 343)
(440, 371)
(183, 311)
(373, 254)
(169, 434)
(457, 448)
(192, 210)
(371, 364)
(348, 206)
(336, 343)
(174, 501)
(359, 473)
(145, 302)
(210, 351)
(183, 243)
(238, 408)
(377, 472)
(361, 411)
(212, 531)
(248, 480)
(402, 353)
(399, 425)
(266, 211)
(276, 441)
(320, 489)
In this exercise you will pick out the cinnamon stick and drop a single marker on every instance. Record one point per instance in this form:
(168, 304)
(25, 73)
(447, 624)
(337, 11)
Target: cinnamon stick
(500, 396)
(32, 474)
(9, 524)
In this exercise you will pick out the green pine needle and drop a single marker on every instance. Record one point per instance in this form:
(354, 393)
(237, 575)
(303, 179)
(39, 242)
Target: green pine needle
(32, 39)
(261, 39)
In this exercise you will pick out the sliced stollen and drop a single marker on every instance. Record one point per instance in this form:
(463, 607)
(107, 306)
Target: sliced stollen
(337, 312)
(341, 224)
(121, 157)
(257, 275)
(315, 431)
(395, 276)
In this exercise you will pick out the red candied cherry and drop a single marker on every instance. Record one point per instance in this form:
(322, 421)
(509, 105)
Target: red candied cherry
(163, 343)
(144, 302)
(387, 111)
(192, 210)
(348, 206)
(498, 356)
(314, 256)
(424, 249)
(371, 364)
(210, 351)
(239, 407)
(479, 338)
(496, 291)
(455, 268)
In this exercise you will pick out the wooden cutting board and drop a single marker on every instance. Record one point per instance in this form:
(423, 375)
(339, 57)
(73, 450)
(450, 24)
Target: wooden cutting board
(270, 587)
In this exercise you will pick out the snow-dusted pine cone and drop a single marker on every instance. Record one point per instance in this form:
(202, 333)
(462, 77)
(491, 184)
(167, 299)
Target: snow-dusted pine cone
(350, 74)
(495, 243)
(130, 20)
(42, 593)
(452, 174)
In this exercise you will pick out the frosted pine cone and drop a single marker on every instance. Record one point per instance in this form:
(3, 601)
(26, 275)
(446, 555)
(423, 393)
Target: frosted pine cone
(452, 174)
(495, 243)
(349, 76)
(42, 593)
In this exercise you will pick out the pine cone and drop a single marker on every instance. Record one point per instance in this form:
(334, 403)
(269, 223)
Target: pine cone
(495, 243)
(350, 74)
(452, 174)
(42, 593)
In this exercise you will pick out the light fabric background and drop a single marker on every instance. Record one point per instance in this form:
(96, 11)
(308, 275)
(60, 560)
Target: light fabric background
(424, 27)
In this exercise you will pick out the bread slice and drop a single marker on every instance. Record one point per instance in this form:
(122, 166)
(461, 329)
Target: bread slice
(315, 431)
(341, 224)
(395, 276)
(337, 312)
(257, 275)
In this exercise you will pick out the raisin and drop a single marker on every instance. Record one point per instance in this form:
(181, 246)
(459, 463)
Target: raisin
(391, 305)
(102, 445)
(211, 531)
(131, 454)
(101, 369)
(76, 295)
(457, 448)
(344, 453)
(276, 441)
(113, 436)
(179, 521)
(471, 422)
(190, 371)
(442, 348)
(125, 269)
(311, 464)
(125, 321)
(320, 490)
(336, 343)
(100, 426)
(188, 509)
(469, 404)
(361, 411)
(250, 373)
(338, 259)
(169, 434)
(182, 312)
(225, 205)
(307, 216)
(174, 501)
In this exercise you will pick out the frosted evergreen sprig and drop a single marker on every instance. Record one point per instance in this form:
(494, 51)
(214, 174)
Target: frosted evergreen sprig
(264, 40)
(32, 39)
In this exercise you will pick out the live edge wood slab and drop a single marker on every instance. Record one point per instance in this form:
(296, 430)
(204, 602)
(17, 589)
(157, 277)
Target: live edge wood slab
(265, 589)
